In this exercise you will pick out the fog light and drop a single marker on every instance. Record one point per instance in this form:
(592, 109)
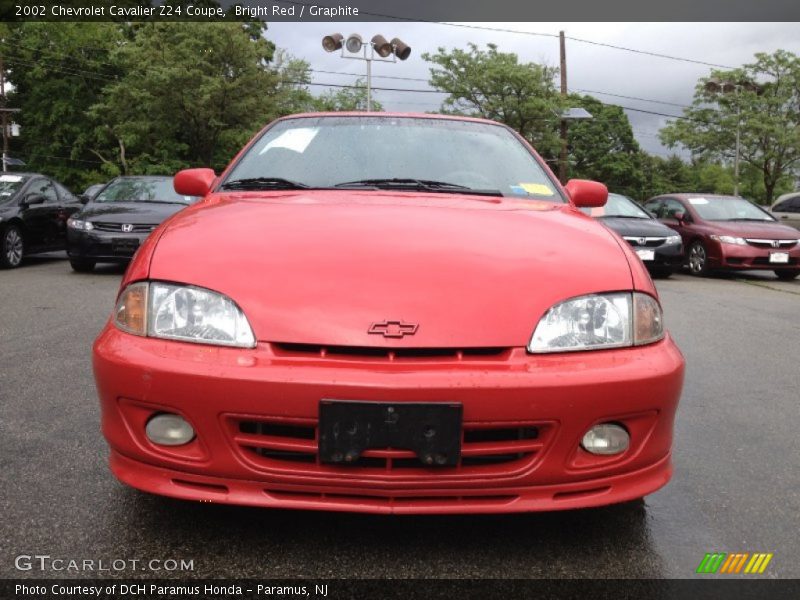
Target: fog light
(606, 438)
(169, 430)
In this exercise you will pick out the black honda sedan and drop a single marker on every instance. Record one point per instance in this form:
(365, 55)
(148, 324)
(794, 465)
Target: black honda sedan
(119, 218)
(33, 216)
(658, 246)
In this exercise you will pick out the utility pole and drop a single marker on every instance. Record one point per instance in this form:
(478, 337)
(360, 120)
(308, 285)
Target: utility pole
(562, 159)
(3, 109)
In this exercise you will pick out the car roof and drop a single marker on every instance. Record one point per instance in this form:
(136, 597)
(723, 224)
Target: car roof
(140, 177)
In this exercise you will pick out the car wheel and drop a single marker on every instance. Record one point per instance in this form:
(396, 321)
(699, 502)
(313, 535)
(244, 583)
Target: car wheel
(787, 275)
(81, 266)
(698, 259)
(12, 246)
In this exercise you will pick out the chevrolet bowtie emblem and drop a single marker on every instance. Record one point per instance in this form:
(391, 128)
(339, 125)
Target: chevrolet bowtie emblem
(393, 329)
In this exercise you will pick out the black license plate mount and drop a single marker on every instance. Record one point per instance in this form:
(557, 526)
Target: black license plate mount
(432, 430)
(124, 246)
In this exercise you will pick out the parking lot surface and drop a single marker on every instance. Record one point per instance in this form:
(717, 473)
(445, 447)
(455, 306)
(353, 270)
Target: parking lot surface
(736, 486)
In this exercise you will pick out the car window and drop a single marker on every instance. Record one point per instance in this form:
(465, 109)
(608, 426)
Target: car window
(142, 189)
(66, 195)
(670, 208)
(9, 185)
(728, 208)
(321, 152)
(44, 188)
(653, 206)
(618, 205)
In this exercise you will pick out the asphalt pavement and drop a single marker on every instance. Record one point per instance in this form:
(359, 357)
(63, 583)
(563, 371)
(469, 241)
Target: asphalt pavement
(736, 486)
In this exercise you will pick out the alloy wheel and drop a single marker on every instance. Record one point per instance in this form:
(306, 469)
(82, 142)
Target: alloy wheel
(13, 247)
(697, 259)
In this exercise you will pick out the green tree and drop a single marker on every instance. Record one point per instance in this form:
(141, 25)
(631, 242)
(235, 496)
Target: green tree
(57, 70)
(768, 114)
(603, 148)
(495, 85)
(191, 94)
(344, 99)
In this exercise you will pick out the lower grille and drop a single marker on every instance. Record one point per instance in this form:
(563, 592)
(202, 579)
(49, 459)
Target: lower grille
(764, 260)
(268, 442)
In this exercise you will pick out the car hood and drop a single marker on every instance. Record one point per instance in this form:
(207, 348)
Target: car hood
(637, 227)
(748, 229)
(150, 213)
(323, 267)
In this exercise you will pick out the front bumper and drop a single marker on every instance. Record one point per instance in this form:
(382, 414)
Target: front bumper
(98, 246)
(664, 256)
(731, 256)
(222, 392)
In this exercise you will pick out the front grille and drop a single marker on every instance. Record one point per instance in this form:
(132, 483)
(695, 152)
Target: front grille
(762, 243)
(276, 442)
(369, 352)
(117, 227)
(645, 242)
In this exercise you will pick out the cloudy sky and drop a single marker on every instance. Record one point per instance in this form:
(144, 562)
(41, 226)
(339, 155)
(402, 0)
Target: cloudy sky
(589, 67)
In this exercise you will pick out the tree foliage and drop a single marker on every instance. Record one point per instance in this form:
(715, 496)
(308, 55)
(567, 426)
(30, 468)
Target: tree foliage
(495, 85)
(343, 99)
(100, 99)
(603, 148)
(768, 116)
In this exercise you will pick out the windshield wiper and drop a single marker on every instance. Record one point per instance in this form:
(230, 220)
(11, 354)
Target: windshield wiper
(263, 183)
(427, 185)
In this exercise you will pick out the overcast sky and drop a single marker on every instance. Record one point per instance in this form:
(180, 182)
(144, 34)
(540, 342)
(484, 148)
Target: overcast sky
(589, 67)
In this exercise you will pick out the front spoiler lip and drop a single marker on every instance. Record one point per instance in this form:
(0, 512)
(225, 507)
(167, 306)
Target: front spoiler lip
(584, 494)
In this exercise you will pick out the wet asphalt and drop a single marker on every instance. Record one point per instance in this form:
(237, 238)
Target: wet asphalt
(736, 486)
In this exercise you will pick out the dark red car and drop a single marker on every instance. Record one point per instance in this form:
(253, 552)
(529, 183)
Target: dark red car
(730, 233)
(388, 313)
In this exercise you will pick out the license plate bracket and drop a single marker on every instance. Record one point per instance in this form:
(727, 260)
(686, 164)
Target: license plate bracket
(779, 258)
(646, 255)
(124, 246)
(432, 430)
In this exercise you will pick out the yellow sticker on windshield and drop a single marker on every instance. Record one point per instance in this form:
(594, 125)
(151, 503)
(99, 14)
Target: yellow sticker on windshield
(538, 189)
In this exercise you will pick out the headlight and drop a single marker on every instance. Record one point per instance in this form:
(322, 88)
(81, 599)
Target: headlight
(673, 239)
(184, 313)
(80, 225)
(599, 321)
(729, 239)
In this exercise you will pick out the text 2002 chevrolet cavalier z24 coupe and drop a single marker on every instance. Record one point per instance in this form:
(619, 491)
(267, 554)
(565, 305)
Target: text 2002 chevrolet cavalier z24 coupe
(391, 314)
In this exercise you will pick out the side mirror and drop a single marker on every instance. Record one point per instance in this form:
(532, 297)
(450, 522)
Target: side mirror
(587, 194)
(194, 182)
(680, 217)
(84, 199)
(32, 198)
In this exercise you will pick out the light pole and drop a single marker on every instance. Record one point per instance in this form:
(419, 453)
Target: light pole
(355, 45)
(717, 86)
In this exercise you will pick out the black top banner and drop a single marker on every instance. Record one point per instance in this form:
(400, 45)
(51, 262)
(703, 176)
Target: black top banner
(404, 10)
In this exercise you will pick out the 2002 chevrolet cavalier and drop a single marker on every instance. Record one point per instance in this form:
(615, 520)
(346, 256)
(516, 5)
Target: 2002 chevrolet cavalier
(388, 313)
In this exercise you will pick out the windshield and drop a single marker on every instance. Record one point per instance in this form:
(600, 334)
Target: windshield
(728, 208)
(10, 185)
(618, 206)
(136, 189)
(394, 153)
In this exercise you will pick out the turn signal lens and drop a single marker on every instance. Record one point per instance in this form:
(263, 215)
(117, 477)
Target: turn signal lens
(648, 324)
(131, 312)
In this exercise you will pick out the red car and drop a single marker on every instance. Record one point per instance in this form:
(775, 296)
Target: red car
(729, 233)
(394, 314)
